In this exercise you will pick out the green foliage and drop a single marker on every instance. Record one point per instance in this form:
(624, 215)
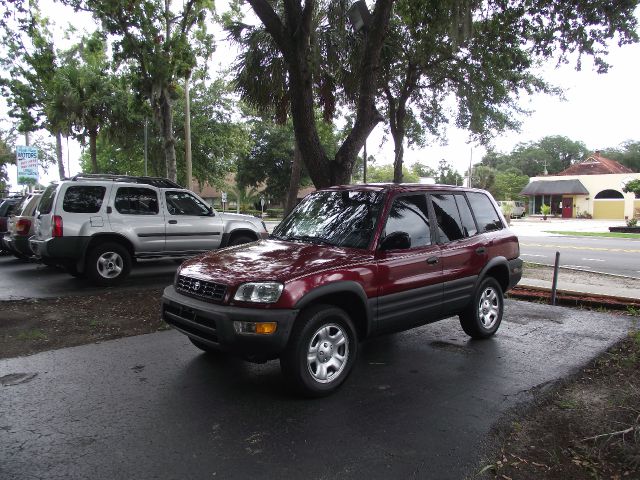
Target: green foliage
(422, 170)
(508, 184)
(384, 174)
(483, 177)
(632, 187)
(447, 175)
(557, 152)
(628, 154)
(545, 209)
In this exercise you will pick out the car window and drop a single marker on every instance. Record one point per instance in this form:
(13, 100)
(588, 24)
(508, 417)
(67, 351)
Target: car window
(468, 223)
(183, 203)
(409, 214)
(136, 201)
(8, 208)
(46, 202)
(485, 213)
(448, 217)
(83, 199)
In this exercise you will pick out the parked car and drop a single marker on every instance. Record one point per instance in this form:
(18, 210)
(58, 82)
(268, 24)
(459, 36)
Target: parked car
(21, 226)
(516, 207)
(97, 225)
(7, 208)
(347, 264)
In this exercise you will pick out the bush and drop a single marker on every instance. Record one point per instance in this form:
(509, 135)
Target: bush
(632, 222)
(275, 212)
(545, 209)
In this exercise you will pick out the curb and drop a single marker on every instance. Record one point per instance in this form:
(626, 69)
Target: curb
(615, 275)
(572, 297)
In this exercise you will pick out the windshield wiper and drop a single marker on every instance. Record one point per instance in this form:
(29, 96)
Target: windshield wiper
(308, 238)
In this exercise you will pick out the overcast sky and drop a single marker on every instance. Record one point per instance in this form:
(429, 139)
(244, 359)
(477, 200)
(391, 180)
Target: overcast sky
(599, 110)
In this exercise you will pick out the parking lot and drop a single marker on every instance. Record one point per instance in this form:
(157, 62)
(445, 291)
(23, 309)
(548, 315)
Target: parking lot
(419, 404)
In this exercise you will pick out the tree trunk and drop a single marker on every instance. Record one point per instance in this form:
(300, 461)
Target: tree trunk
(293, 38)
(163, 110)
(59, 155)
(93, 150)
(398, 141)
(294, 182)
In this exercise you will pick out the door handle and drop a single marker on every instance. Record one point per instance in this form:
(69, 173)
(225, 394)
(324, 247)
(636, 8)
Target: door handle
(432, 260)
(173, 222)
(481, 250)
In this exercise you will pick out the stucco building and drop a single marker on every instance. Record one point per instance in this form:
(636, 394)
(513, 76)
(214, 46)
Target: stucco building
(593, 186)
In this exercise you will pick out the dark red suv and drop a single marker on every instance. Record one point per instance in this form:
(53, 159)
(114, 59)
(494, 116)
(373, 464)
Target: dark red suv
(347, 264)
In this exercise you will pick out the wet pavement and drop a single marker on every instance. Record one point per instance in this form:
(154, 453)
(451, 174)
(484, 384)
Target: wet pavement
(21, 279)
(418, 404)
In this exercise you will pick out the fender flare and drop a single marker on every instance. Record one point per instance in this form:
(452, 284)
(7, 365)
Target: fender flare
(343, 286)
(494, 262)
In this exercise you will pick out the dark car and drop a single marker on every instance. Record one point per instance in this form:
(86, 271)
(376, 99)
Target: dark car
(347, 264)
(7, 208)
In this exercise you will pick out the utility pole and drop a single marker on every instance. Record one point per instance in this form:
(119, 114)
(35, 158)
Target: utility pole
(470, 162)
(187, 132)
(364, 172)
(146, 136)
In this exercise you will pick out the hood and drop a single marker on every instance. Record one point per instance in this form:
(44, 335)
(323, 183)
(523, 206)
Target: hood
(263, 260)
(238, 216)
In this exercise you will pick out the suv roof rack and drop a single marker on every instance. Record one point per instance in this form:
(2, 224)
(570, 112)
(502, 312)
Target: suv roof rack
(158, 182)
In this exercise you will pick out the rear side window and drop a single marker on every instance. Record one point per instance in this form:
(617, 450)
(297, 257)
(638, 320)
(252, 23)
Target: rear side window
(136, 201)
(83, 199)
(409, 214)
(468, 224)
(183, 203)
(486, 215)
(46, 202)
(448, 218)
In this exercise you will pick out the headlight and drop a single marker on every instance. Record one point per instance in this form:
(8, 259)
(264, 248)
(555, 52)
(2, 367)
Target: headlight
(259, 292)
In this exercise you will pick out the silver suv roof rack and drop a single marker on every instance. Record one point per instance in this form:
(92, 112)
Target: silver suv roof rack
(158, 182)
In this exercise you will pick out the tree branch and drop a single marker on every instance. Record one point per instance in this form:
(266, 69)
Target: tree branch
(271, 22)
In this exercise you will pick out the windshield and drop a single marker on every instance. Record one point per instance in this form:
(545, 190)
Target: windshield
(344, 218)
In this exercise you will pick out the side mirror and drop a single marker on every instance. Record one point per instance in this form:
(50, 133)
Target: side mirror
(396, 241)
(211, 212)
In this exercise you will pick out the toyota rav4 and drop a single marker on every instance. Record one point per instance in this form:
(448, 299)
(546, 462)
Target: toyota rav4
(347, 264)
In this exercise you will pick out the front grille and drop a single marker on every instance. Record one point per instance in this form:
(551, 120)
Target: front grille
(201, 288)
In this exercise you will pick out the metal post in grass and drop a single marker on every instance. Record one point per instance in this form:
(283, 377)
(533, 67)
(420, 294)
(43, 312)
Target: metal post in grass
(554, 284)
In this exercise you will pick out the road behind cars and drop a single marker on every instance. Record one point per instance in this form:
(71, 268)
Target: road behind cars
(21, 279)
(420, 404)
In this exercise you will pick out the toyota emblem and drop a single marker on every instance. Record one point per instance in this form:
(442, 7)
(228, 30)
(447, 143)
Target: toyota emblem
(196, 286)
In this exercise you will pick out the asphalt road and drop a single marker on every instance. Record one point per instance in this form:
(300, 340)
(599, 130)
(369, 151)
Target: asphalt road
(620, 256)
(418, 404)
(20, 279)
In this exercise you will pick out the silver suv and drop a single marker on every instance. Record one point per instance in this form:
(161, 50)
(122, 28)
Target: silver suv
(96, 225)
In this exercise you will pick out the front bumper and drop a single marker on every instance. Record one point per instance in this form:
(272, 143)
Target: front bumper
(515, 272)
(212, 324)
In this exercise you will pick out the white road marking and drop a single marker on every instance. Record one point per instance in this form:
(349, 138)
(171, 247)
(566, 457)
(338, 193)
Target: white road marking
(592, 259)
(575, 266)
(532, 255)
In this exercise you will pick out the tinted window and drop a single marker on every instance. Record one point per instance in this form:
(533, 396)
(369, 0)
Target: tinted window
(83, 199)
(136, 201)
(183, 203)
(468, 224)
(485, 213)
(46, 202)
(410, 214)
(449, 223)
(345, 218)
(8, 208)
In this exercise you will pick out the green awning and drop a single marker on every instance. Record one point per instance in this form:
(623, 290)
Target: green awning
(555, 187)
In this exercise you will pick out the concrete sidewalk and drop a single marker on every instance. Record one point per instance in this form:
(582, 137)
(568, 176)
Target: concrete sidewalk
(536, 226)
(570, 288)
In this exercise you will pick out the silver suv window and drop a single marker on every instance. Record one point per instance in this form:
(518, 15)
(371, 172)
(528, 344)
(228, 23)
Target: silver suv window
(46, 202)
(136, 201)
(83, 199)
(183, 203)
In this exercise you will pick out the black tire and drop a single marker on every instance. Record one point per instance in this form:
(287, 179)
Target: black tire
(482, 317)
(240, 239)
(108, 264)
(321, 327)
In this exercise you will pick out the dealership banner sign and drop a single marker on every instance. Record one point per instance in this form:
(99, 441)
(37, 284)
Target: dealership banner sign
(27, 161)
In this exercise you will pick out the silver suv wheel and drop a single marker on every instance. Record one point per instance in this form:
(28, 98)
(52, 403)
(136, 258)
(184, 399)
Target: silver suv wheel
(489, 307)
(109, 265)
